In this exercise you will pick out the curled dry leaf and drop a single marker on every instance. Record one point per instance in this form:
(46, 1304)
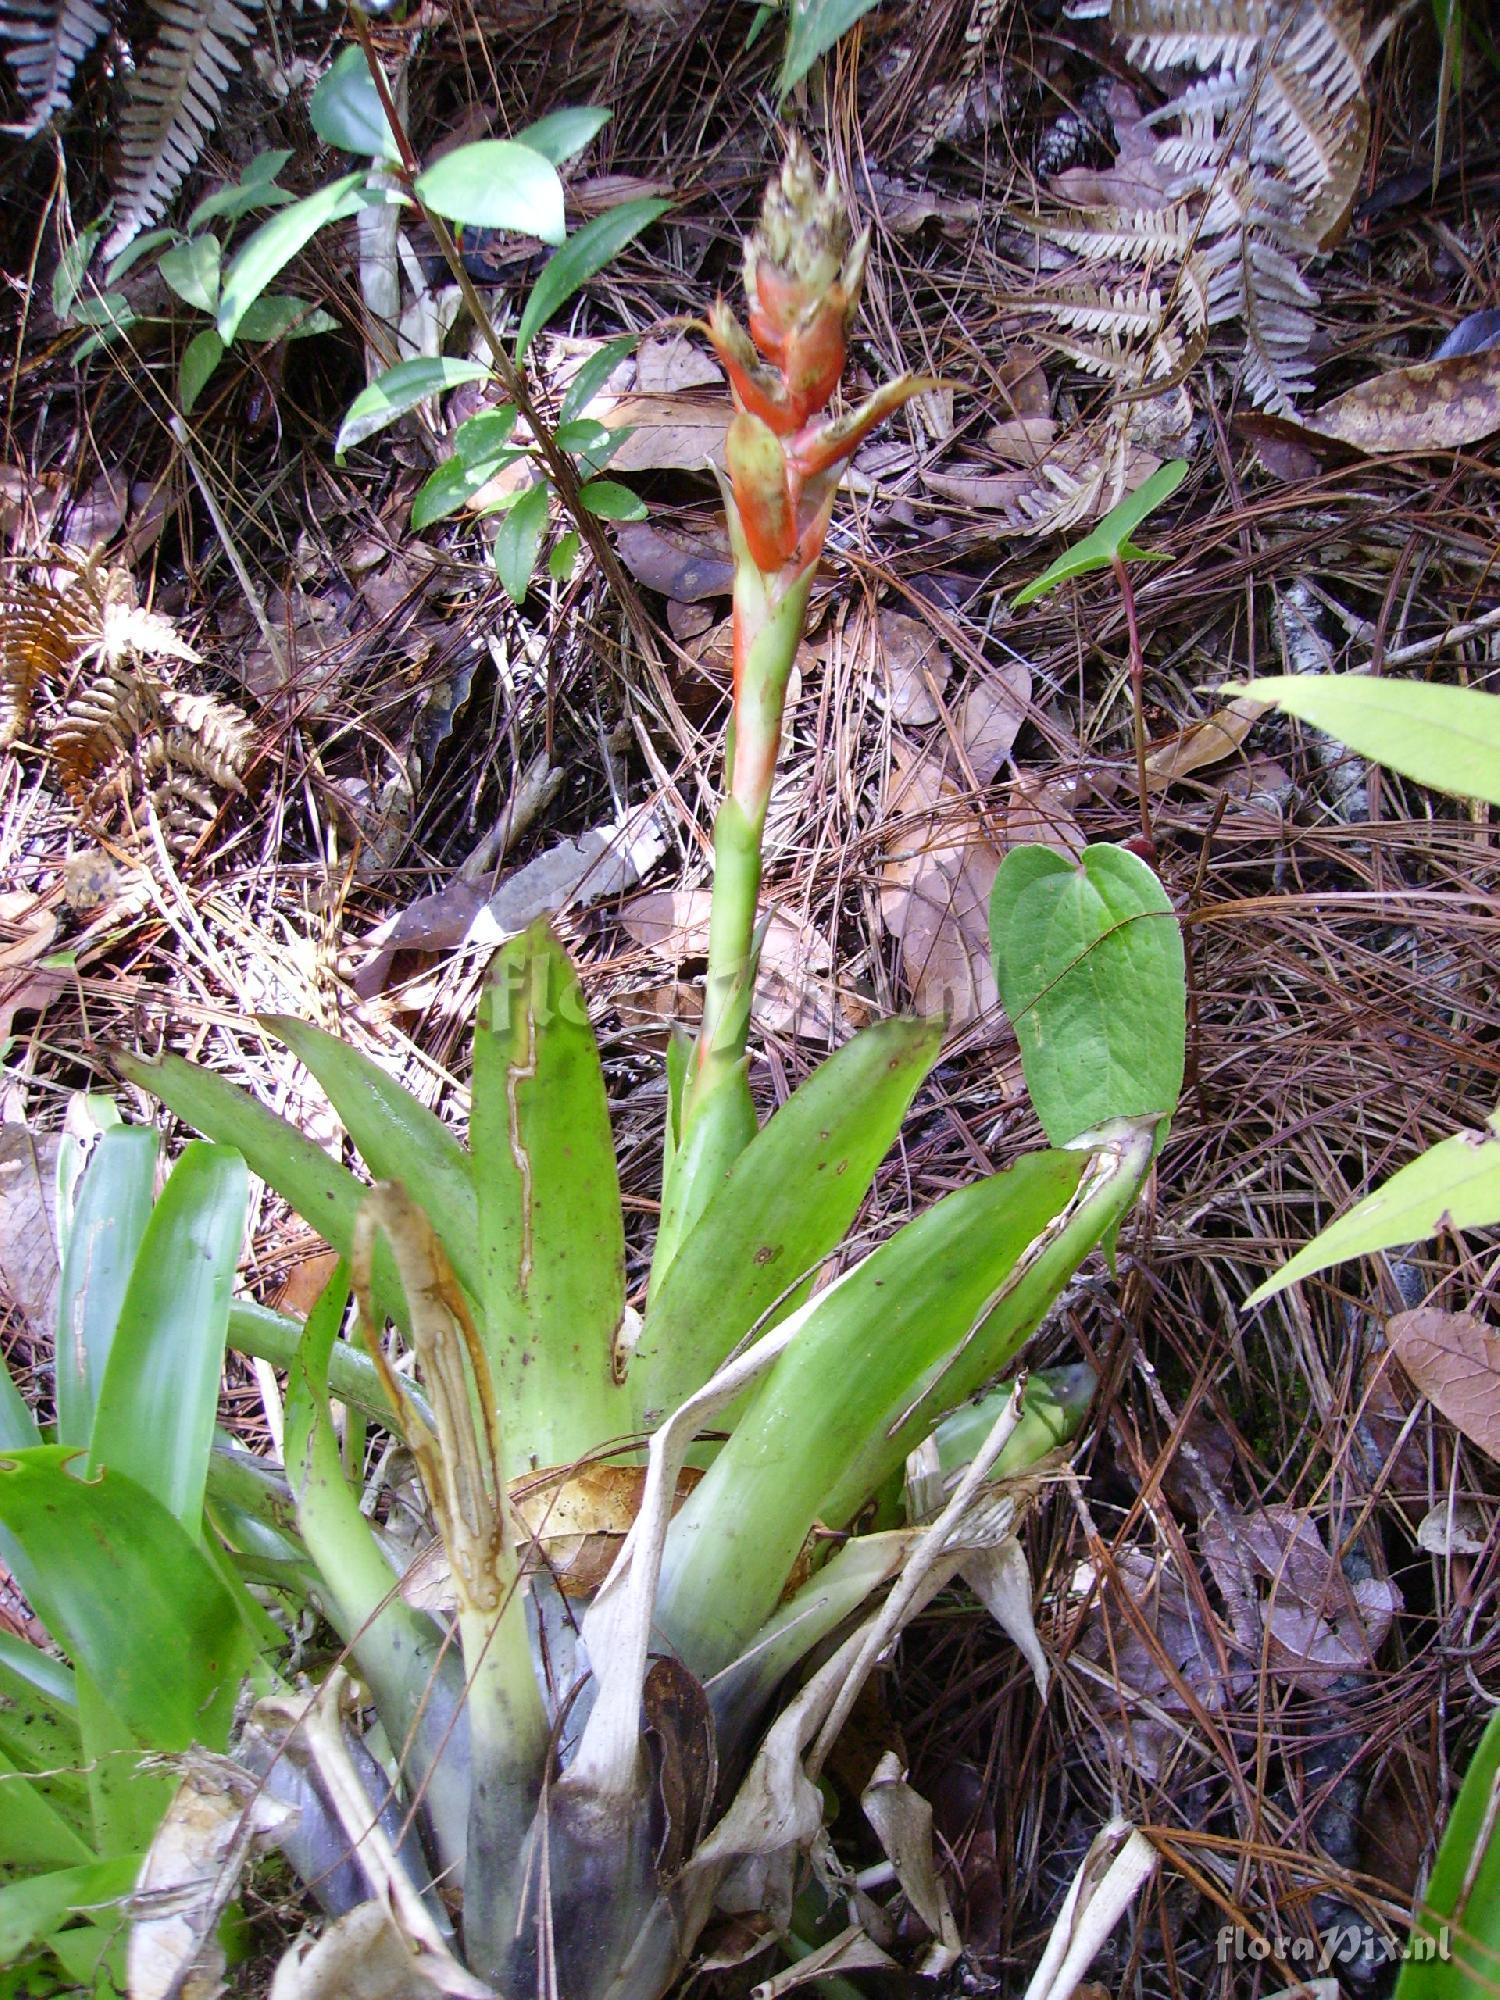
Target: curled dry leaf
(1201, 743)
(1454, 1359)
(1453, 1528)
(29, 1267)
(906, 664)
(1431, 406)
(935, 893)
(1318, 1625)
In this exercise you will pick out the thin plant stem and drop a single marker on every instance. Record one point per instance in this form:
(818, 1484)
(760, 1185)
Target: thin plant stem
(1137, 692)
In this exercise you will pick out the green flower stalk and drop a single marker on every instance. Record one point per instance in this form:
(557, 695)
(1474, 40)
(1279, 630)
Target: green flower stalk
(785, 456)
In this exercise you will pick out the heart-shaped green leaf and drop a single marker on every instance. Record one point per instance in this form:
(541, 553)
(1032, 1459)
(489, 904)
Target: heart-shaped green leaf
(1089, 963)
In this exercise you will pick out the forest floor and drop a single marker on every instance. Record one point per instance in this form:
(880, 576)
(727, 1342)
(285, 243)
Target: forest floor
(429, 764)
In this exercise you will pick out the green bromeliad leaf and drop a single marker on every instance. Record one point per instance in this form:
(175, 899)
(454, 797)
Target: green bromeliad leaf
(113, 1209)
(551, 1239)
(784, 1205)
(165, 1638)
(160, 1393)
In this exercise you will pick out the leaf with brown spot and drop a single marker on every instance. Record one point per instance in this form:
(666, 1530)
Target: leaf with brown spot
(1454, 1359)
(1431, 406)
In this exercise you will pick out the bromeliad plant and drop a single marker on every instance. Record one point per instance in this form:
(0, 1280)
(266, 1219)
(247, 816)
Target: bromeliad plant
(566, 1777)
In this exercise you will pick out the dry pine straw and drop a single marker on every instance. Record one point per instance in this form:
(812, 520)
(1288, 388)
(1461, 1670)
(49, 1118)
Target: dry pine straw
(1343, 1008)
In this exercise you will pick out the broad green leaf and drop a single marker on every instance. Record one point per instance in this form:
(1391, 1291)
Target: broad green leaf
(129, 1596)
(346, 109)
(200, 358)
(1455, 1941)
(561, 134)
(400, 389)
(1112, 536)
(551, 1235)
(192, 270)
(496, 184)
(255, 188)
(143, 246)
(32, 1675)
(814, 28)
(582, 434)
(1455, 1183)
(276, 243)
(485, 434)
(593, 375)
(33, 1833)
(612, 501)
(563, 556)
(36, 1905)
(1089, 962)
(785, 1204)
(282, 317)
(398, 1138)
(1445, 737)
(160, 1393)
(905, 1325)
(454, 484)
(324, 1194)
(519, 540)
(585, 253)
(109, 1221)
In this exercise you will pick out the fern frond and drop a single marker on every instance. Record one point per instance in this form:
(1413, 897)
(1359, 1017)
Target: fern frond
(208, 737)
(1141, 236)
(172, 104)
(44, 42)
(41, 631)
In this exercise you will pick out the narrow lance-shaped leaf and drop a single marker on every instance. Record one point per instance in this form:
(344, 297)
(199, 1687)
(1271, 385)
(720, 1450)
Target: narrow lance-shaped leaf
(398, 1137)
(586, 252)
(160, 1393)
(324, 1194)
(1111, 538)
(277, 242)
(1445, 737)
(1455, 1183)
(399, 389)
(551, 1234)
(34, 1907)
(786, 1204)
(113, 1209)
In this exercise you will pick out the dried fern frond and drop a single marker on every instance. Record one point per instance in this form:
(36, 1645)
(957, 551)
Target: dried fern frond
(44, 42)
(172, 103)
(96, 736)
(207, 737)
(41, 632)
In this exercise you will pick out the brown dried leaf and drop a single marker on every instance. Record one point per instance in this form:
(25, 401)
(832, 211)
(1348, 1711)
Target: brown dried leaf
(1201, 743)
(1454, 1359)
(29, 1268)
(682, 433)
(990, 716)
(990, 492)
(935, 894)
(903, 658)
(668, 366)
(1038, 816)
(676, 562)
(1431, 406)
(1318, 1625)
(794, 994)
